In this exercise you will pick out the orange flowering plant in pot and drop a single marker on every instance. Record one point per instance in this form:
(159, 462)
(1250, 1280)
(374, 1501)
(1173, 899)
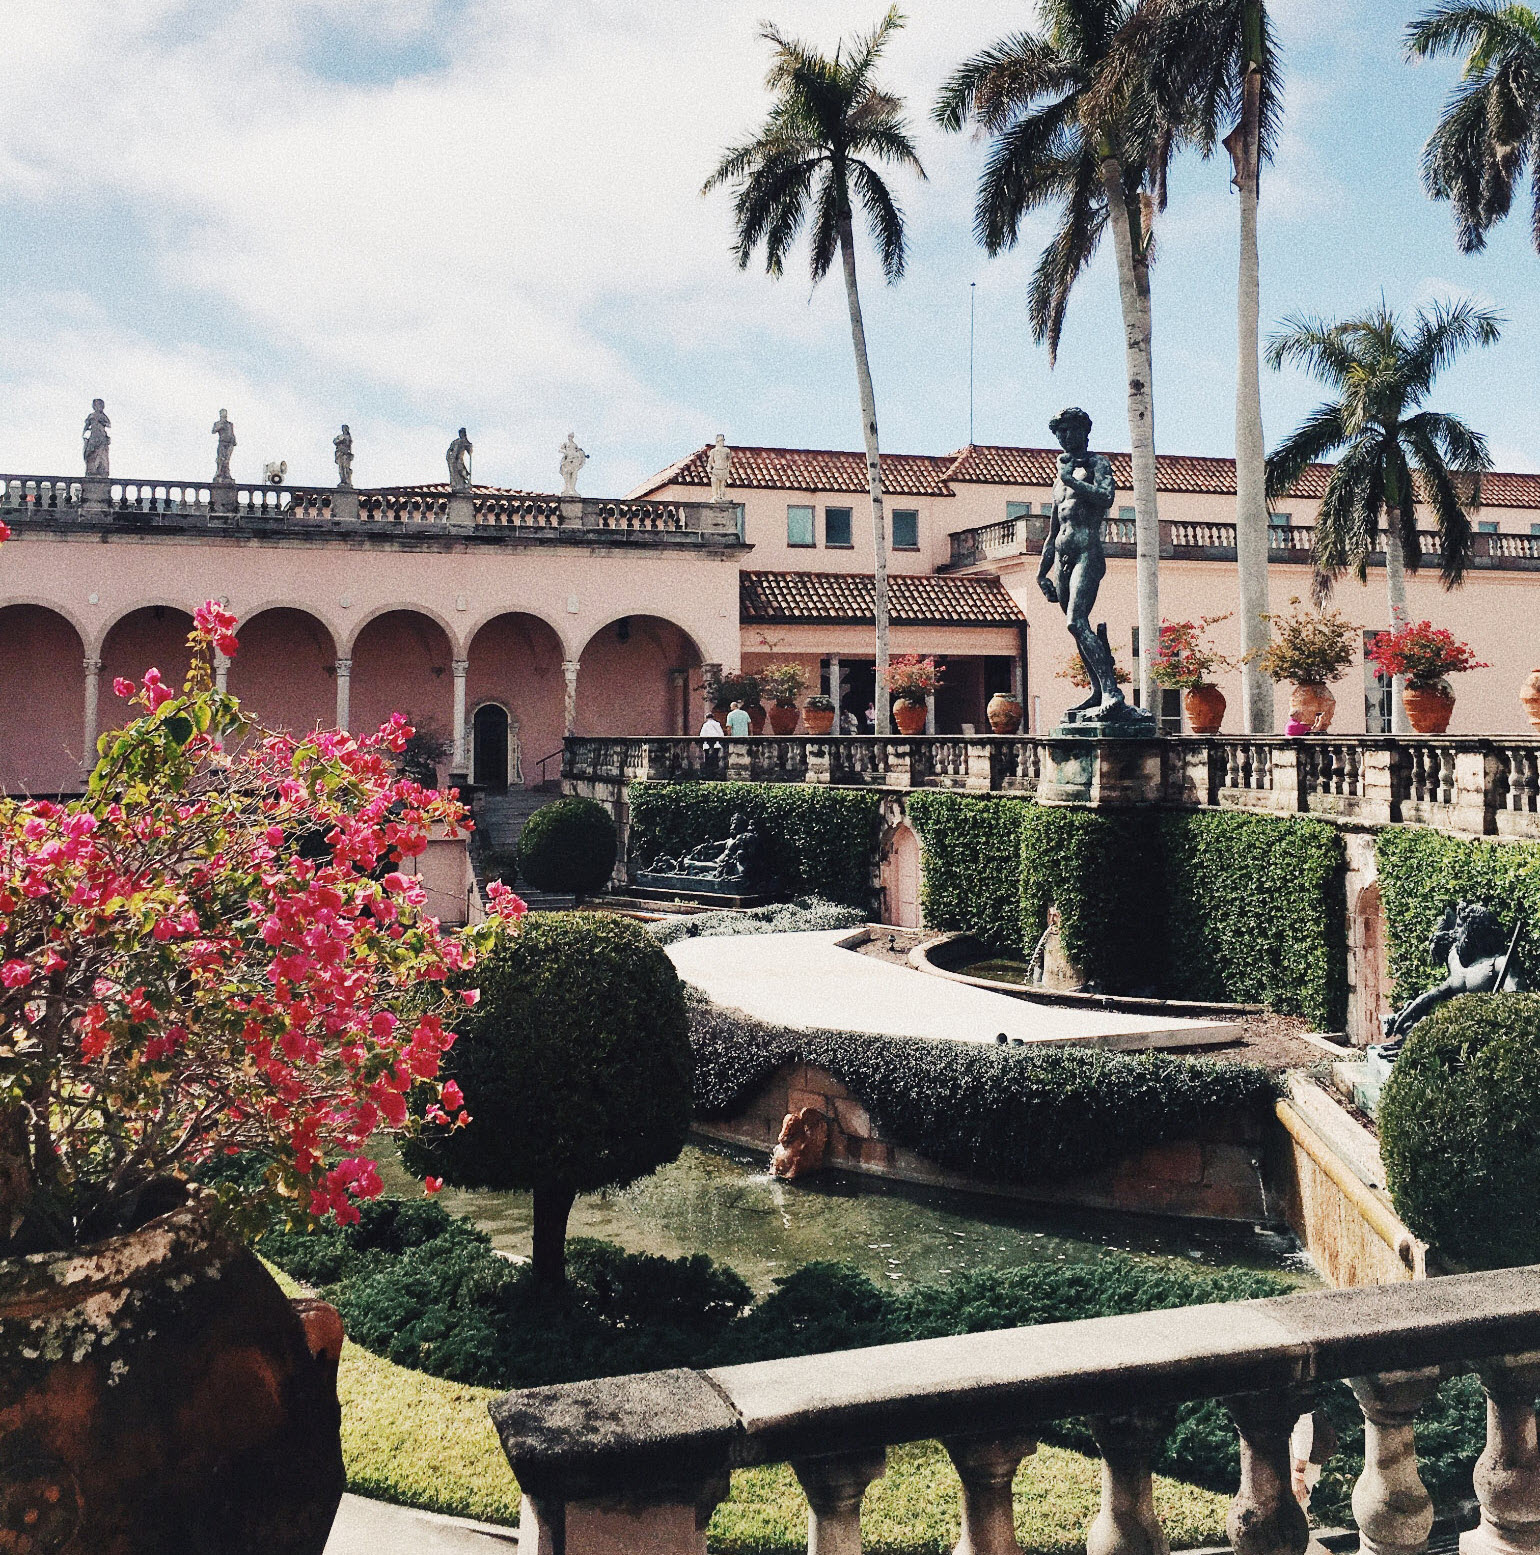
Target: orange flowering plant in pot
(1311, 649)
(218, 948)
(911, 679)
(1424, 656)
(1185, 661)
(783, 683)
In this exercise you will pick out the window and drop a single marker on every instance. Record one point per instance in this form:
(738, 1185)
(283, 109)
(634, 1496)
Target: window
(1534, 529)
(799, 526)
(743, 520)
(906, 529)
(1017, 510)
(1282, 520)
(1486, 527)
(1126, 515)
(836, 527)
(1379, 696)
(1048, 510)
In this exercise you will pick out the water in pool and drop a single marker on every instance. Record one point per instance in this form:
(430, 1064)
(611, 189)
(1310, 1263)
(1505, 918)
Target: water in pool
(724, 1203)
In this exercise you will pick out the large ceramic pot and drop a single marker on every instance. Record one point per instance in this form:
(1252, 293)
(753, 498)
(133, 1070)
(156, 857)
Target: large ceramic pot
(1529, 695)
(819, 720)
(783, 720)
(1205, 709)
(1004, 713)
(160, 1395)
(1313, 703)
(1428, 708)
(756, 719)
(910, 717)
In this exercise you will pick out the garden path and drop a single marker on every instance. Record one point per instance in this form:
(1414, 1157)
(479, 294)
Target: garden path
(807, 980)
(365, 1527)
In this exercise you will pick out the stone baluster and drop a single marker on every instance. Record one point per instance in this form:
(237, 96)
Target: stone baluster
(569, 670)
(1381, 801)
(93, 669)
(1392, 1507)
(1507, 1474)
(895, 760)
(1287, 779)
(979, 766)
(1476, 774)
(344, 692)
(987, 1466)
(1265, 1518)
(835, 1485)
(1126, 1523)
(818, 763)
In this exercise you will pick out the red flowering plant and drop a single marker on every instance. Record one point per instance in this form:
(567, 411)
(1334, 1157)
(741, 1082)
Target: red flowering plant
(1423, 654)
(1185, 658)
(912, 678)
(218, 949)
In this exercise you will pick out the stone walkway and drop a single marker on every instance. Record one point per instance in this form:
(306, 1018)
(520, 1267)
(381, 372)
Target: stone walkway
(376, 1528)
(807, 980)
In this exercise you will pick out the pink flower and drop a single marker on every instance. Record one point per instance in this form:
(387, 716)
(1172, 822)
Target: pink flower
(504, 903)
(15, 974)
(217, 624)
(155, 689)
(5, 532)
(383, 1025)
(123, 688)
(471, 995)
(453, 1096)
(432, 1185)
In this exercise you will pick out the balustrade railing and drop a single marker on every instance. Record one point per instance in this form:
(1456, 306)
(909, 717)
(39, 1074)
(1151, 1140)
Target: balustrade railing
(638, 1463)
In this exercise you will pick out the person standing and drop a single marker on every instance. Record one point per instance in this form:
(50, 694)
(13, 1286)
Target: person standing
(737, 722)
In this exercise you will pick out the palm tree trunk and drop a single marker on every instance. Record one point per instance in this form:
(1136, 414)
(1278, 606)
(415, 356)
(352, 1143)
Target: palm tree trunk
(873, 468)
(1134, 296)
(1250, 447)
(1400, 616)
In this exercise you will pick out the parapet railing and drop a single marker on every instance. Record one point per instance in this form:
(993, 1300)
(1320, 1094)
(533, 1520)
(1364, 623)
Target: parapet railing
(1478, 786)
(52, 499)
(638, 1463)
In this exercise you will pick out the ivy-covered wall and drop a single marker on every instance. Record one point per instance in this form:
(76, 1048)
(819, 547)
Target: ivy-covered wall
(971, 880)
(1424, 872)
(818, 841)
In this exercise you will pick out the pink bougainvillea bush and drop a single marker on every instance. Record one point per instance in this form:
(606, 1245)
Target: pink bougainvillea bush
(217, 950)
(1425, 654)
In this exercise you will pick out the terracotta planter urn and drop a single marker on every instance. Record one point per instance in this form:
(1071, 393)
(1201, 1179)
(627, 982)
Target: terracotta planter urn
(1428, 708)
(1004, 713)
(757, 718)
(1205, 709)
(819, 720)
(910, 717)
(1313, 703)
(783, 720)
(1529, 695)
(160, 1395)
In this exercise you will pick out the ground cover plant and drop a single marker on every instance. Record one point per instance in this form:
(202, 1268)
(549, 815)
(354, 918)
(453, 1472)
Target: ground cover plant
(806, 914)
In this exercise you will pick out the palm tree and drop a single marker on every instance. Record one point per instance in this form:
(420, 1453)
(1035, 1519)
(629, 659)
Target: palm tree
(1068, 134)
(1490, 128)
(1393, 451)
(813, 157)
(1214, 63)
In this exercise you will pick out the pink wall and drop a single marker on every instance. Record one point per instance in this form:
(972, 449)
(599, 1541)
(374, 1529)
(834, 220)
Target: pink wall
(155, 636)
(285, 671)
(516, 661)
(401, 664)
(42, 701)
(628, 687)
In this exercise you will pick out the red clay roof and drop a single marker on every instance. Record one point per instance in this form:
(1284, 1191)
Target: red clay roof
(813, 469)
(841, 598)
(997, 466)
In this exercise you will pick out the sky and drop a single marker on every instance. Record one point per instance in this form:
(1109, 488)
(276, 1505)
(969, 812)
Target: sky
(413, 215)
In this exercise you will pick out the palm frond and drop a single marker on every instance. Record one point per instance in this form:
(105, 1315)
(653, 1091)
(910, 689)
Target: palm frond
(883, 217)
(830, 209)
(1347, 522)
(1321, 349)
(1081, 224)
(1450, 514)
(1000, 82)
(1319, 435)
(1444, 332)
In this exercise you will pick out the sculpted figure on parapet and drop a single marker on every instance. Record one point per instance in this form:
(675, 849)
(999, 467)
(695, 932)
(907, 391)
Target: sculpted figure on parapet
(97, 441)
(458, 457)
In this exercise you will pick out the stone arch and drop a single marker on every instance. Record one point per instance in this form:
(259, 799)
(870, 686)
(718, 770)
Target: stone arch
(638, 675)
(403, 662)
(1368, 966)
(139, 639)
(899, 873)
(42, 700)
(403, 607)
(515, 660)
(496, 759)
(285, 669)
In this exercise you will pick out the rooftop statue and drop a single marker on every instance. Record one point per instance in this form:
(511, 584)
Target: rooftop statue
(1072, 553)
(572, 461)
(719, 466)
(458, 456)
(96, 439)
(225, 433)
(1480, 957)
(342, 452)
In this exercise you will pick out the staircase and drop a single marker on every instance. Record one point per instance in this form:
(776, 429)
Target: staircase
(499, 818)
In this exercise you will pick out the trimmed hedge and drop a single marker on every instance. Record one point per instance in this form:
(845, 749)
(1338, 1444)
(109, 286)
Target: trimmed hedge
(568, 845)
(1460, 1130)
(1423, 873)
(818, 841)
(999, 1112)
(971, 865)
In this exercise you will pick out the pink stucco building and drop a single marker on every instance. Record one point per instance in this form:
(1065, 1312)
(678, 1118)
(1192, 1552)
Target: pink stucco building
(505, 620)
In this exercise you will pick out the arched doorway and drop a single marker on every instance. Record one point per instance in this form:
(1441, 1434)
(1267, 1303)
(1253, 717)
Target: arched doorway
(42, 702)
(901, 877)
(515, 662)
(285, 670)
(492, 760)
(403, 663)
(152, 637)
(1369, 967)
(638, 675)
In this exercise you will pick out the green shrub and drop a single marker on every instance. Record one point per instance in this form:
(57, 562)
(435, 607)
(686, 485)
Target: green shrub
(818, 841)
(971, 865)
(568, 845)
(1255, 913)
(1009, 1113)
(1460, 1130)
(575, 1065)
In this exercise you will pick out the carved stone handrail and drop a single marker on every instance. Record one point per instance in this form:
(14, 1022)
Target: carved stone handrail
(638, 1463)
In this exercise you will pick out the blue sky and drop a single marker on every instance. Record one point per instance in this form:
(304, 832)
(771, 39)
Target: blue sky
(413, 214)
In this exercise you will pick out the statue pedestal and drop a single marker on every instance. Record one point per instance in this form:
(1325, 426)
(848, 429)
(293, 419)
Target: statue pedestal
(1082, 765)
(345, 504)
(462, 510)
(222, 502)
(95, 496)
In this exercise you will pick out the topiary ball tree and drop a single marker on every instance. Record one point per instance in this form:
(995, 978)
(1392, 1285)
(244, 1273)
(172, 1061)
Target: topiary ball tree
(1460, 1130)
(568, 845)
(576, 1068)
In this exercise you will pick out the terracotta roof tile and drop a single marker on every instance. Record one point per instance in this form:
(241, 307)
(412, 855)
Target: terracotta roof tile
(999, 466)
(845, 598)
(815, 469)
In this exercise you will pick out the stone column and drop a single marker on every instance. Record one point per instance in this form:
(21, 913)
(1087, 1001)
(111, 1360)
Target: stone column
(1391, 1505)
(1126, 1523)
(569, 670)
(457, 753)
(221, 672)
(344, 691)
(835, 1485)
(834, 693)
(1476, 777)
(1507, 1473)
(676, 1526)
(930, 712)
(1265, 1519)
(93, 669)
(987, 1468)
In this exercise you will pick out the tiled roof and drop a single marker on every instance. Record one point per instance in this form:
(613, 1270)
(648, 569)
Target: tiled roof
(812, 469)
(997, 466)
(845, 598)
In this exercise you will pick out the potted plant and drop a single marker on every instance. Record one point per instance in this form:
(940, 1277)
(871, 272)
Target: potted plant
(1185, 662)
(744, 688)
(783, 683)
(818, 714)
(1424, 656)
(1311, 649)
(911, 679)
(1073, 670)
(214, 950)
